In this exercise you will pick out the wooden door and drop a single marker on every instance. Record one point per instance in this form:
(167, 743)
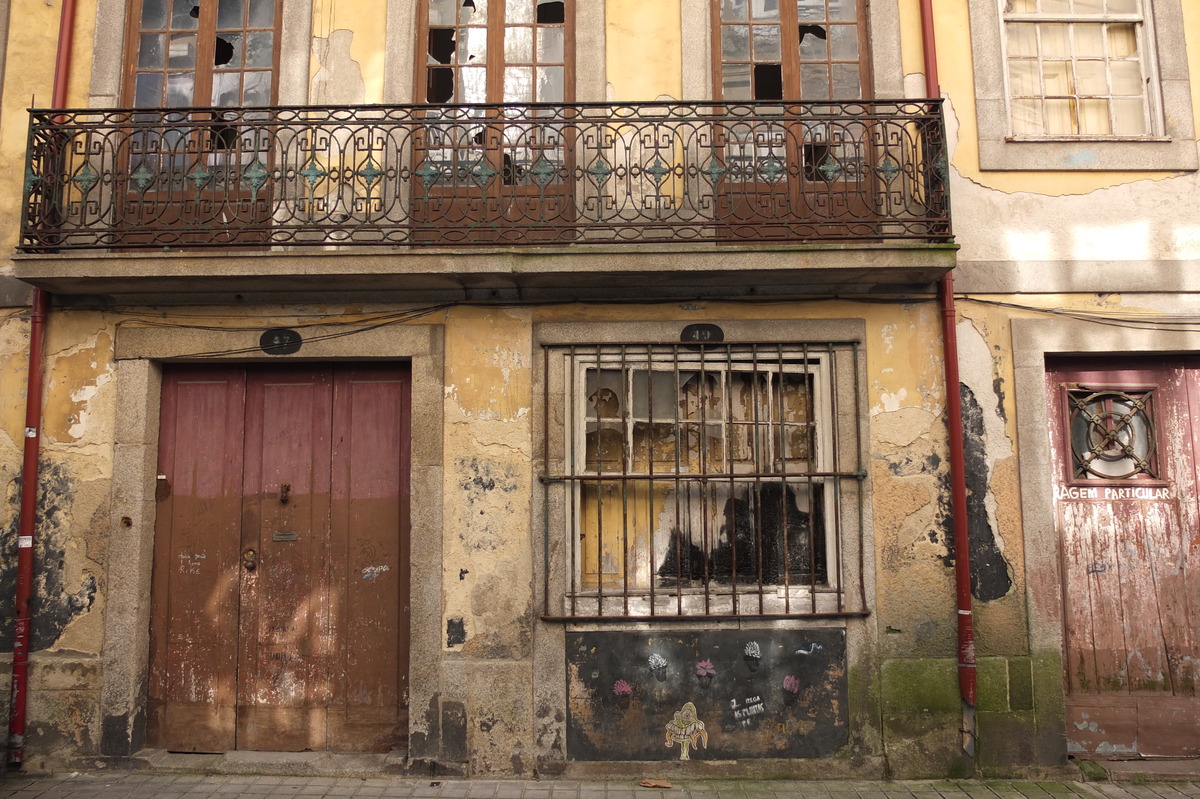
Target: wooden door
(1125, 491)
(280, 590)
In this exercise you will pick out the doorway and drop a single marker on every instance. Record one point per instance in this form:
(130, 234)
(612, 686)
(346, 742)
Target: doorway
(280, 595)
(1125, 448)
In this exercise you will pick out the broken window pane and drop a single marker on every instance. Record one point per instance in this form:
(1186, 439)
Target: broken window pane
(472, 46)
(768, 82)
(551, 12)
(441, 45)
(185, 14)
(440, 85)
(814, 43)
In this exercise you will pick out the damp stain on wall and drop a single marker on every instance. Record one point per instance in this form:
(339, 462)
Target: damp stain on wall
(55, 603)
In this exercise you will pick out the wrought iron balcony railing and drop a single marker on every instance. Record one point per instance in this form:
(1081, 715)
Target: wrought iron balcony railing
(374, 175)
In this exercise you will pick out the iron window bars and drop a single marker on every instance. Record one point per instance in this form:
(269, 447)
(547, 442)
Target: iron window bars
(1112, 433)
(702, 481)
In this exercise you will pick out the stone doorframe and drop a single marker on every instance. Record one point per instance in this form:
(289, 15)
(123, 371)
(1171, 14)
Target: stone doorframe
(140, 352)
(1032, 341)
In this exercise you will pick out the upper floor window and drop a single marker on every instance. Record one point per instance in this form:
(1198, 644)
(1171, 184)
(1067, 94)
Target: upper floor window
(1078, 68)
(790, 50)
(495, 51)
(188, 53)
(1082, 85)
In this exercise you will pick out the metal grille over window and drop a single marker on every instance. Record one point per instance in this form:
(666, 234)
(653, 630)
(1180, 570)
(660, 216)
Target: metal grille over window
(1076, 68)
(703, 481)
(1112, 434)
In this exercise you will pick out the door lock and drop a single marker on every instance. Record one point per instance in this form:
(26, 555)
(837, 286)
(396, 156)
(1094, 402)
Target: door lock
(249, 560)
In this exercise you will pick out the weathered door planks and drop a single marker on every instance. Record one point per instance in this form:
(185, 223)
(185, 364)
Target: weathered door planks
(193, 631)
(1129, 601)
(290, 492)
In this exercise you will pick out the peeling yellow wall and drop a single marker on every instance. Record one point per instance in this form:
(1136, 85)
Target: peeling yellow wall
(29, 80)
(644, 58)
(487, 569)
(367, 21)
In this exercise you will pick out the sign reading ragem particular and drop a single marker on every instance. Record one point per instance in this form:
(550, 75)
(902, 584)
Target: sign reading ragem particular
(1105, 493)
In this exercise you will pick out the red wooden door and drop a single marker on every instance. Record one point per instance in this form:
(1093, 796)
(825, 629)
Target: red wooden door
(1129, 529)
(281, 560)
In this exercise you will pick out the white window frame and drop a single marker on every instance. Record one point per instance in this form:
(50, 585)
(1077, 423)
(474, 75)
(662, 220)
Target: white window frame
(1172, 147)
(1151, 104)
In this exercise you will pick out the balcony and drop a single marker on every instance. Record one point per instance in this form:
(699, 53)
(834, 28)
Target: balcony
(596, 181)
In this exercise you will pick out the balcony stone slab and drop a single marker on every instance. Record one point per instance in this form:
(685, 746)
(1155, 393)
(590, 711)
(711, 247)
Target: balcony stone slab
(511, 273)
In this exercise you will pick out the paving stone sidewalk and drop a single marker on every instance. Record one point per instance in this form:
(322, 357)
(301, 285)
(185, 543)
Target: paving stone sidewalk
(113, 785)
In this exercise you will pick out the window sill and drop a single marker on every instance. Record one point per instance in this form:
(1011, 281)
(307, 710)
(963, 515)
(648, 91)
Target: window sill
(776, 601)
(1069, 139)
(1093, 154)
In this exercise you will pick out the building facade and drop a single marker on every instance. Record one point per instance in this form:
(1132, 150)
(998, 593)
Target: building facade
(560, 386)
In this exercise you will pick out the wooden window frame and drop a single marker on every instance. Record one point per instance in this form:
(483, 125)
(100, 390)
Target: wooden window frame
(495, 56)
(791, 65)
(205, 53)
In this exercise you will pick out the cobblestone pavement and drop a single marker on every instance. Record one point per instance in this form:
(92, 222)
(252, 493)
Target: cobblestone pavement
(112, 785)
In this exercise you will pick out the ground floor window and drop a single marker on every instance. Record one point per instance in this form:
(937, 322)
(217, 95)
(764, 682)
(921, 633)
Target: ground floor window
(704, 480)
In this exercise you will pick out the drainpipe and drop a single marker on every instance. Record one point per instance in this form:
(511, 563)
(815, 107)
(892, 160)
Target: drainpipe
(958, 476)
(27, 524)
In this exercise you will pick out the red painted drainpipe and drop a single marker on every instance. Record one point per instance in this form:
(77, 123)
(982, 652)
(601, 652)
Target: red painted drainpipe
(27, 525)
(958, 477)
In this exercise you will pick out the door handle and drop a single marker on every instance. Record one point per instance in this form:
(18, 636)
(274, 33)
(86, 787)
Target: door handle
(249, 560)
(284, 490)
